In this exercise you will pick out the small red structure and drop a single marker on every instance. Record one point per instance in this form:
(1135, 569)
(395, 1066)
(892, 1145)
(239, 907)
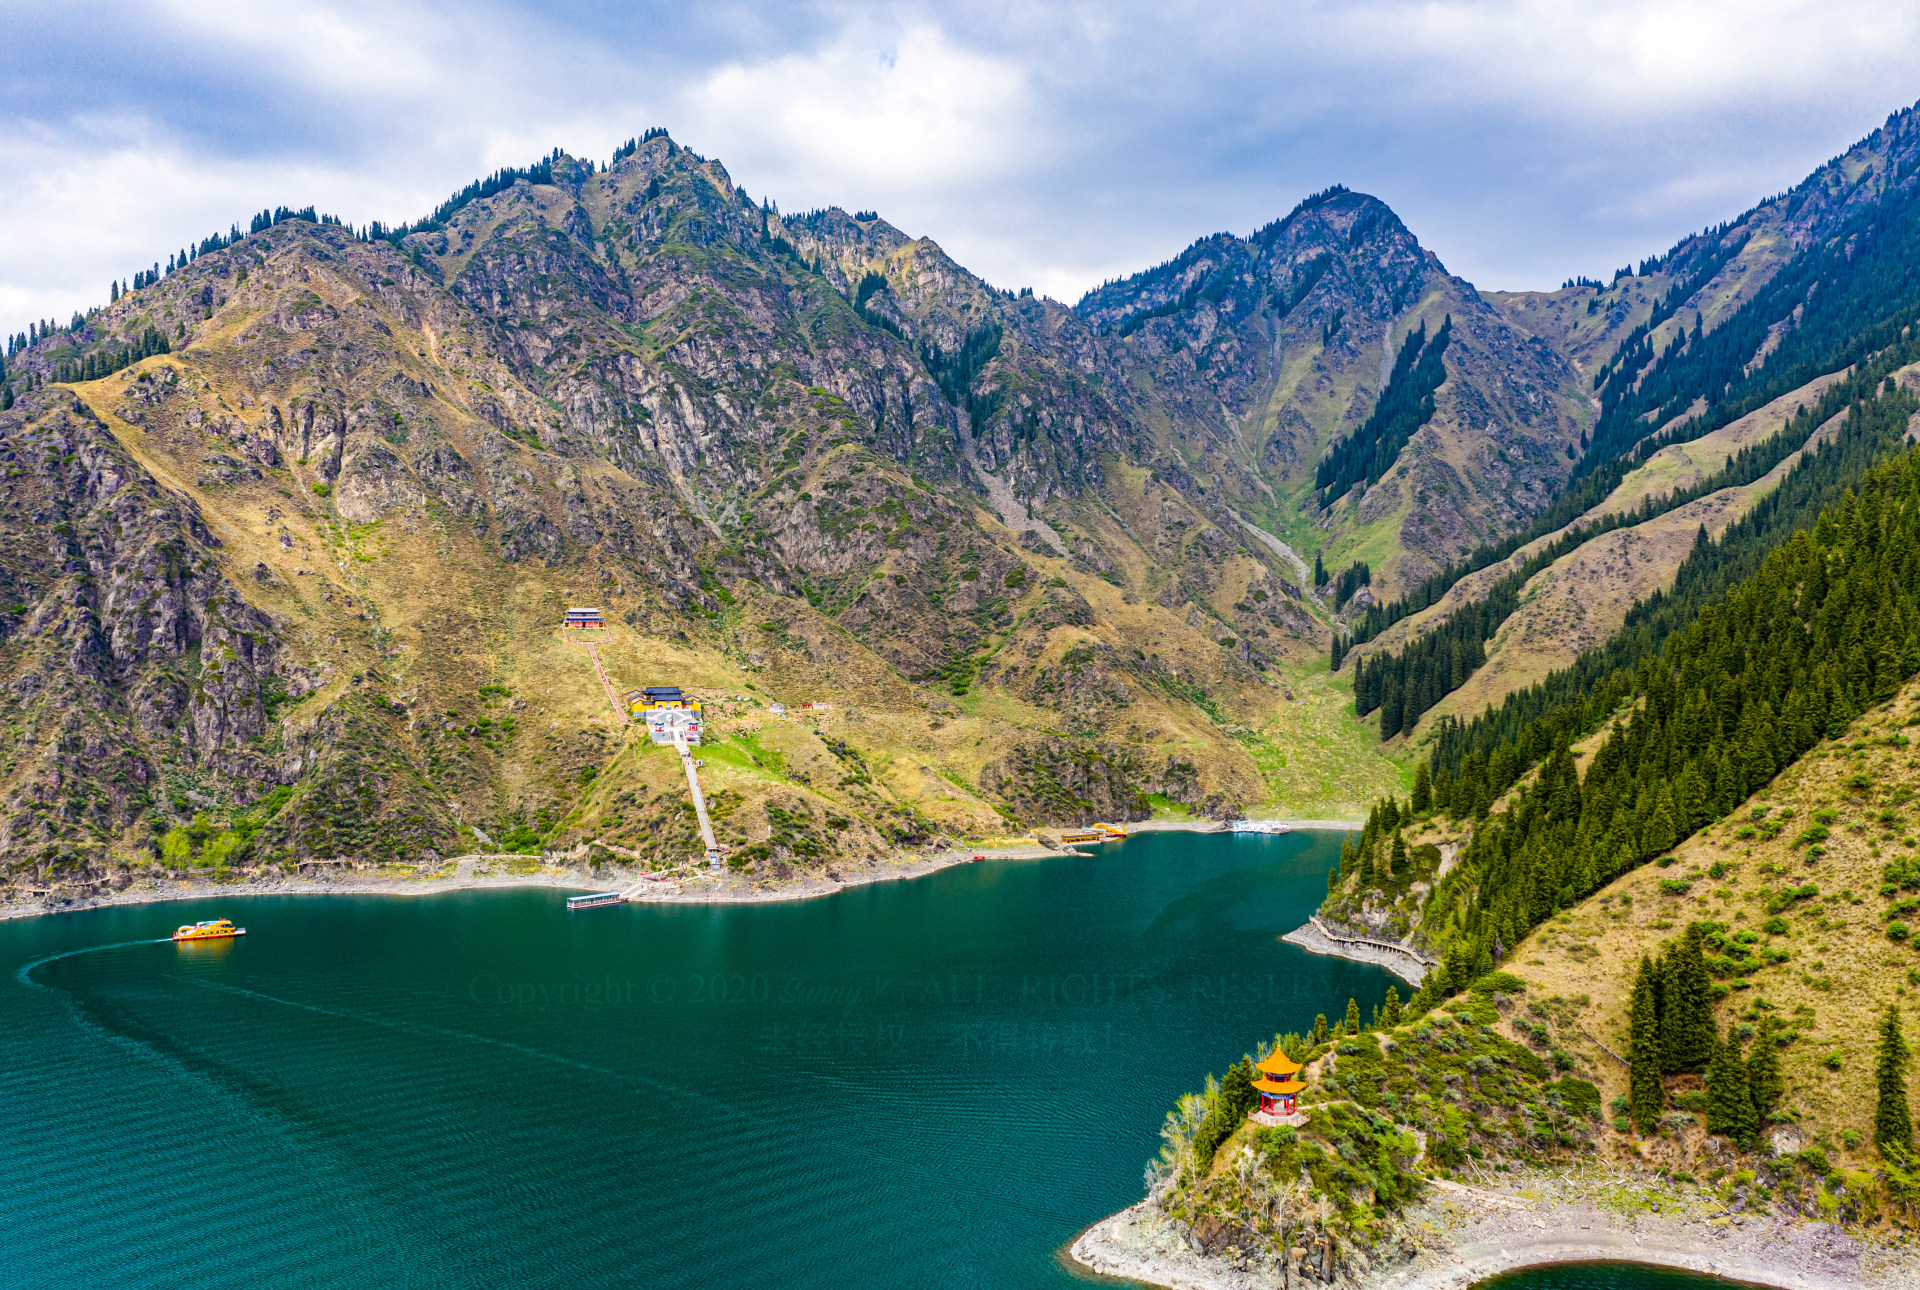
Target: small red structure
(1276, 1085)
(583, 620)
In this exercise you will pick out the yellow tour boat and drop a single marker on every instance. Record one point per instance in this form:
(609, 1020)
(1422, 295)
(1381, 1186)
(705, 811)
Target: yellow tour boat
(214, 929)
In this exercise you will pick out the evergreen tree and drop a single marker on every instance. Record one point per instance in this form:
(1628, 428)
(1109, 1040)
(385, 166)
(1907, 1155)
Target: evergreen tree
(1353, 1017)
(1687, 1036)
(1391, 1013)
(1892, 1121)
(1647, 1096)
(1319, 571)
(1729, 1096)
(1764, 1080)
(1666, 993)
(1696, 999)
(1422, 790)
(1236, 1090)
(1319, 1033)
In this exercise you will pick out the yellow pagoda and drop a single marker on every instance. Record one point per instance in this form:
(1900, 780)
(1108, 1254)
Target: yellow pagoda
(1276, 1084)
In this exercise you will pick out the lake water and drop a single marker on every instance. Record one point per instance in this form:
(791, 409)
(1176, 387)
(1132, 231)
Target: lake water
(934, 1082)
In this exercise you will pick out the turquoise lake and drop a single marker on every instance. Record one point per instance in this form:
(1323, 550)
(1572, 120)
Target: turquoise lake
(932, 1083)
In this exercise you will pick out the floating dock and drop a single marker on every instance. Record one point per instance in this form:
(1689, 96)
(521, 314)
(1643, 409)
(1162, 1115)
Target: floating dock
(596, 900)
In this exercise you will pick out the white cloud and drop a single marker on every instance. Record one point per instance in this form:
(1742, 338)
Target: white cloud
(1050, 145)
(873, 113)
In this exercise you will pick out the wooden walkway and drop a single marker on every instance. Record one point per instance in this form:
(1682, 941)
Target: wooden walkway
(1392, 947)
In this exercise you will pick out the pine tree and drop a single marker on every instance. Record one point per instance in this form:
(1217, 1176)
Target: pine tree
(1319, 1033)
(1892, 1121)
(1319, 571)
(1764, 1080)
(1666, 995)
(1729, 1096)
(1658, 834)
(1422, 790)
(1391, 1013)
(1236, 1090)
(1353, 1017)
(1647, 1096)
(1687, 1036)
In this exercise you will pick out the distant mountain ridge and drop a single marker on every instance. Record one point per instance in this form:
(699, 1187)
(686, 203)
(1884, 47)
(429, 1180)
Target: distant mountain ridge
(1044, 543)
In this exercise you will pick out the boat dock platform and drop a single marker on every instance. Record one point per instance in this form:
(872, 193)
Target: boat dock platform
(596, 900)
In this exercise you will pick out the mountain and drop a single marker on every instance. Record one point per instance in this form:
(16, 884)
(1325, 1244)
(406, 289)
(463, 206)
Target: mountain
(1698, 362)
(1266, 351)
(290, 526)
(287, 529)
(1664, 784)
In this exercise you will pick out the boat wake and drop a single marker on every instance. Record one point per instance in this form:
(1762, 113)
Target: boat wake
(25, 975)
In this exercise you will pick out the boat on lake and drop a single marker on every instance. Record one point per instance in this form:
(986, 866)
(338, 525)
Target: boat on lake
(214, 929)
(1256, 826)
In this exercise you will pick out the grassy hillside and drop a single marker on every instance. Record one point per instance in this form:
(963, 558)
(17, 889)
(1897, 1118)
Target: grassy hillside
(1580, 600)
(1836, 967)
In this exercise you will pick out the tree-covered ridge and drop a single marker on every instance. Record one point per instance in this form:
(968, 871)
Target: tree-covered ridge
(1835, 304)
(1575, 701)
(1404, 684)
(1828, 625)
(1404, 406)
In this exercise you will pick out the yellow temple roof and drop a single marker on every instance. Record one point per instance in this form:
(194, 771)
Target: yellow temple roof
(1285, 1089)
(1278, 1064)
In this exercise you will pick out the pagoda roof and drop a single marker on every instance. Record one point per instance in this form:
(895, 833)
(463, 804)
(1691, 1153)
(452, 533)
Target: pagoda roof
(1278, 1064)
(1286, 1089)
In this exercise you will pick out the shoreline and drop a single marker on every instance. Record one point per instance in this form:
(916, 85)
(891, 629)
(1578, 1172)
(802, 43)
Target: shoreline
(1309, 937)
(700, 888)
(1459, 1236)
(695, 887)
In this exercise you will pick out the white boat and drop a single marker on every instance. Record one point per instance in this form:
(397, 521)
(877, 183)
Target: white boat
(1256, 826)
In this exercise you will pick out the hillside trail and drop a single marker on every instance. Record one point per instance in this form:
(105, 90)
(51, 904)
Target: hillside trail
(619, 713)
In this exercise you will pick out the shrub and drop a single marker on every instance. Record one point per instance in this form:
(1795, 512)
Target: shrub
(1775, 926)
(1578, 1096)
(321, 488)
(176, 849)
(223, 850)
(1499, 983)
(1675, 886)
(1897, 931)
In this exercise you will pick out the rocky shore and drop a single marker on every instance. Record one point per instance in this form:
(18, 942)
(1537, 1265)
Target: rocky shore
(1458, 1236)
(474, 873)
(1314, 939)
(690, 885)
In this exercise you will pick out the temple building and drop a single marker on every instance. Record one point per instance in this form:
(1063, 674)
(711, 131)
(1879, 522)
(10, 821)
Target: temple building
(1276, 1085)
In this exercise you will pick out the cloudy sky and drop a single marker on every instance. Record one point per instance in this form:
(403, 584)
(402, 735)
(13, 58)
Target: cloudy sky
(1044, 145)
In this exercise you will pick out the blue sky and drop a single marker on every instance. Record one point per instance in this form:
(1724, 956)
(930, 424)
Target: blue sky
(1044, 145)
